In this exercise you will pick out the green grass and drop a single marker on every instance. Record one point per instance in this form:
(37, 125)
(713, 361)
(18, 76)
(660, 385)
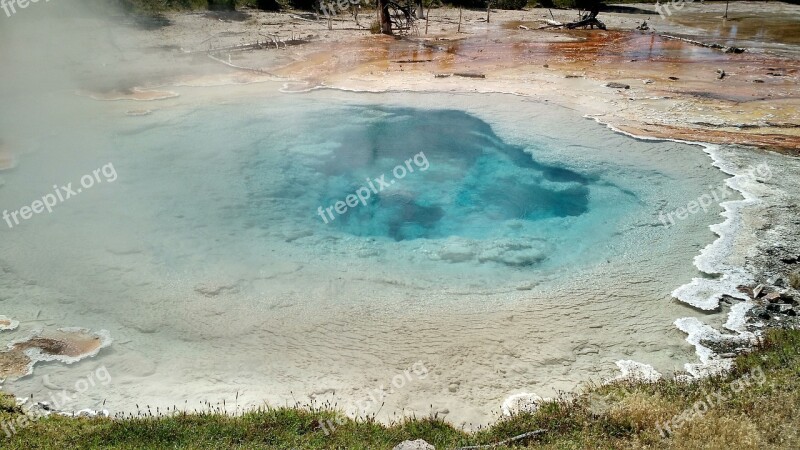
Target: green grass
(763, 414)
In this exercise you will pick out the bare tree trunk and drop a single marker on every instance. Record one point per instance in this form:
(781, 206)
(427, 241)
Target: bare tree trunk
(383, 16)
(354, 11)
(427, 16)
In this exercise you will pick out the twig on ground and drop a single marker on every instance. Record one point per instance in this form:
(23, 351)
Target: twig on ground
(507, 441)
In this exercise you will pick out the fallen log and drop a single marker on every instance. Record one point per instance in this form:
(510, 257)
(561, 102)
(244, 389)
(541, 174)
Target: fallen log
(703, 44)
(549, 24)
(469, 75)
(588, 22)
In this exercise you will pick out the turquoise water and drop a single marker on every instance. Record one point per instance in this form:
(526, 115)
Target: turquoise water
(476, 180)
(459, 184)
(526, 242)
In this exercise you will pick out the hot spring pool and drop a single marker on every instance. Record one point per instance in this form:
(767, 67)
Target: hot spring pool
(267, 244)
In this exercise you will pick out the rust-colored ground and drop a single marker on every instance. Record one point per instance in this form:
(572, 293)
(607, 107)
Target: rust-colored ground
(756, 102)
(675, 87)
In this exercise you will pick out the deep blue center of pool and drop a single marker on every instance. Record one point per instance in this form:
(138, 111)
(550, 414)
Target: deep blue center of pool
(434, 174)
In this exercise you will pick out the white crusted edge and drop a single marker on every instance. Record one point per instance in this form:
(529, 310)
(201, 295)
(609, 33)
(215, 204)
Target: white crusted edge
(632, 370)
(710, 362)
(706, 293)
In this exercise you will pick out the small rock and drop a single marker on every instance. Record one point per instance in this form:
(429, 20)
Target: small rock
(89, 413)
(776, 280)
(773, 307)
(757, 290)
(546, 66)
(443, 75)
(674, 78)
(616, 85)
(772, 297)
(419, 444)
(521, 403)
(782, 308)
(758, 81)
(720, 74)
(788, 299)
(647, 81)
